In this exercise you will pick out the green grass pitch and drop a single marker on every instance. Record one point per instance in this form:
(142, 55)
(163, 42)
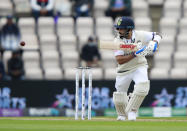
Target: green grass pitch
(96, 124)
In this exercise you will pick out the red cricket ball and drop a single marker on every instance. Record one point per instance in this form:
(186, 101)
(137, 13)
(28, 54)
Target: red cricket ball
(22, 43)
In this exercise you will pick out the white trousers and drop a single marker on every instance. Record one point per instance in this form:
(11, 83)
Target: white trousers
(138, 76)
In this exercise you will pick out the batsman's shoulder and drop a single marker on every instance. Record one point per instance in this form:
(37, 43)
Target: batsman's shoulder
(141, 31)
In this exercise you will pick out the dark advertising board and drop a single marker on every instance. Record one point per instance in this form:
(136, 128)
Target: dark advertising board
(60, 94)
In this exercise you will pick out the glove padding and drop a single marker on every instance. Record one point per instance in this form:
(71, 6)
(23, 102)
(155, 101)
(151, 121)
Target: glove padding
(141, 52)
(139, 45)
(147, 50)
(152, 47)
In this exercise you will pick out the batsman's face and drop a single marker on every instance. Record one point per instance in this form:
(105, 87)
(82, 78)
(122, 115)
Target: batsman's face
(125, 33)
(121, 31)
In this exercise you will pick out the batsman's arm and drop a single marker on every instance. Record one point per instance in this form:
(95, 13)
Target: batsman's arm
(154, 43)
(157, 38)
(152, 46)
(121, 59)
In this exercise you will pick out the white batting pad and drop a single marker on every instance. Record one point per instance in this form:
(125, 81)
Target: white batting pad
(120, 101)
(140, 91)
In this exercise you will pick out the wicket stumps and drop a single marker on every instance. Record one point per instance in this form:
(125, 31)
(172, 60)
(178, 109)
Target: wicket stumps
(83, 74)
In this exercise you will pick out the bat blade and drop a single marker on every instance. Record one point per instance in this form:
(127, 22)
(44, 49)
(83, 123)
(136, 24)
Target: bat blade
(111, 45)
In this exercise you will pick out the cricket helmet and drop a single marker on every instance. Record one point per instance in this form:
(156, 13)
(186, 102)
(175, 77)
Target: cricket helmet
(124, 23)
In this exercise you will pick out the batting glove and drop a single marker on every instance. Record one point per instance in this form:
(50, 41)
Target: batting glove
(141, 52)
(152, 47)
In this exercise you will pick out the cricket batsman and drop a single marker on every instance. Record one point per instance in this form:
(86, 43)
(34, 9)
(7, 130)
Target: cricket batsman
(132, 66)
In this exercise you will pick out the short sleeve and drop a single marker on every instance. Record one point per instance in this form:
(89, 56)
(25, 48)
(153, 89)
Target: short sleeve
(149, 36)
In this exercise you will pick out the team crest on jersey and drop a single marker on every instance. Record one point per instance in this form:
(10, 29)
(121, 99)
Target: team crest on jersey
(119, 21)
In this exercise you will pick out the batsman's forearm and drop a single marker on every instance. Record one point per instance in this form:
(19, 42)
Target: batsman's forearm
(124, 59)
(157, 38)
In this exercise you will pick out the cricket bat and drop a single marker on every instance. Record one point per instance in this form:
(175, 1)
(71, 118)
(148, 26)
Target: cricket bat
(111, 45)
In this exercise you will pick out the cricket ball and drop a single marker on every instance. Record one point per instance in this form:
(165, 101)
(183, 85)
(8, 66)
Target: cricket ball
(22, 43)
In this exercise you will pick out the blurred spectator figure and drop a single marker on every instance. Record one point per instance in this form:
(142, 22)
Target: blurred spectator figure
(2, 71)
(119, 8)
(63, 7)
(90, 53)
(10, 35)
(83, 7)
(16, 66)
(42, 8)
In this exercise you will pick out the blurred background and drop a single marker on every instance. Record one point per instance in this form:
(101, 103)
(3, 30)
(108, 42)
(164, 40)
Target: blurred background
(38, 79)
